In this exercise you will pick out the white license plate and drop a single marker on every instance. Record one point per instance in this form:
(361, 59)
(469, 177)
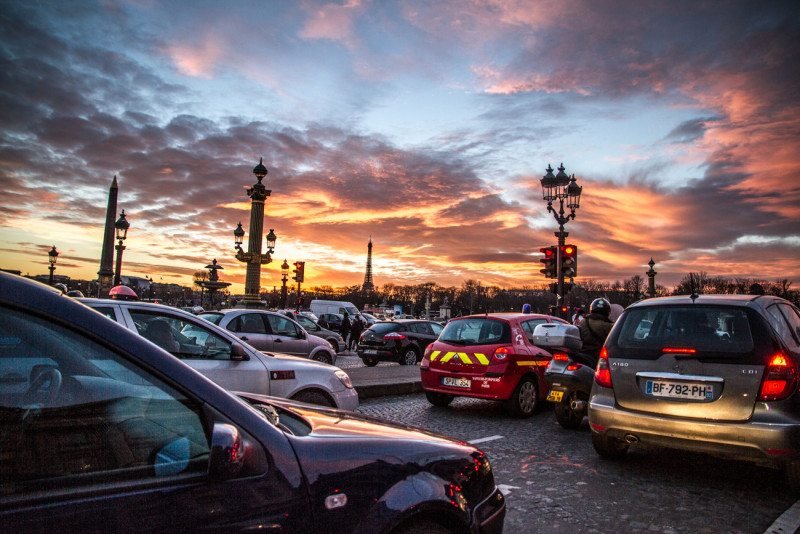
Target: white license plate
(456, 382)
(370, 351)
(679, 390)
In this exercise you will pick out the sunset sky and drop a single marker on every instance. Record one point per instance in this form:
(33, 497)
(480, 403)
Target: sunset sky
(425, 125)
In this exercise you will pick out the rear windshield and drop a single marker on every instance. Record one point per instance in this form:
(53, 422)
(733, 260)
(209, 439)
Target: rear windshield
(476, 331)
(385, 328)
(713, 331)
(211, 317)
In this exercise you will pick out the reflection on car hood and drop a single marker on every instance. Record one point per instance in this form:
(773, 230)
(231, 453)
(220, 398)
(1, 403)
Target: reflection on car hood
(296, 362)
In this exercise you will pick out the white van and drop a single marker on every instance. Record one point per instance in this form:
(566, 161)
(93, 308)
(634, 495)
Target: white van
(318, 307)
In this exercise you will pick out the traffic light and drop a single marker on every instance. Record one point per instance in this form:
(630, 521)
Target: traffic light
(569, 261)
(299, 267)
(549, 261)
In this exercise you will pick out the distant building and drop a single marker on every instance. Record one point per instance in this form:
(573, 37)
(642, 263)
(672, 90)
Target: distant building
(368, 286)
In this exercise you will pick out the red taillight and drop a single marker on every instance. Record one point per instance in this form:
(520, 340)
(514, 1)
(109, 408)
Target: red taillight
(560, 356)
(394, 336)
(502, 352)
(678, 350)
(574, 366)
(602, 375)
(780, 378)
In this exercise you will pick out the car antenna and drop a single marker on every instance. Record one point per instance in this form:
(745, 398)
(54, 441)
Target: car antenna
(694, 294)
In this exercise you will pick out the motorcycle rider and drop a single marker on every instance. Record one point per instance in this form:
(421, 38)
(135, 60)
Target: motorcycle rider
(594, 328)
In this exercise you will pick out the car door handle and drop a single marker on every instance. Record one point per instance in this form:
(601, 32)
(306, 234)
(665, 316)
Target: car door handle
(243, 338)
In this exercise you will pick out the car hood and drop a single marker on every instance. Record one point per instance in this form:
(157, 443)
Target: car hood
(296, 362)
(342, 451)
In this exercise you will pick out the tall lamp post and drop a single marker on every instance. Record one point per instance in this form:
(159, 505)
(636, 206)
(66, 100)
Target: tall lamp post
(121, 226)
(567, 192)
(258, 194)
(284, 279)
(651, 279)
(52, 256)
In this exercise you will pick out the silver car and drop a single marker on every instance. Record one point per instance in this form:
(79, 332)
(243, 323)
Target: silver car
(714, 373)
(312, 327)
(273, 332)
(234, 365)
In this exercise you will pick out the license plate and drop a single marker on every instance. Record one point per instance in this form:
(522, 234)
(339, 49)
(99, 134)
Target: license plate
(456, 382)
(679, 390)
(555, 395)
(370, 351)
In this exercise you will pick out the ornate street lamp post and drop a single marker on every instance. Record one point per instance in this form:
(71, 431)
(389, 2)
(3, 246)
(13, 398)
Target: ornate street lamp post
(121, 227)
(651, 279)
(52, 256)
(567, 192)
(258, 194)
(284, 279)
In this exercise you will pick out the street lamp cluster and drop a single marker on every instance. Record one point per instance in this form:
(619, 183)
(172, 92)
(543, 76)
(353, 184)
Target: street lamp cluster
(566, 191)
(52, 256)
(121, 227)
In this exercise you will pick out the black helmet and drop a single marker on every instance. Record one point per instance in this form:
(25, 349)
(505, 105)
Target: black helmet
(600, 306)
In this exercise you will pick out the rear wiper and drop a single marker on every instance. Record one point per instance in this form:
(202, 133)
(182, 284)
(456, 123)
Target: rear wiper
(454, 341)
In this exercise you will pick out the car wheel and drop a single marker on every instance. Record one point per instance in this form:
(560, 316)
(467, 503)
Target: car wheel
(323, 357)
(370, 362)
(422, 526)
(524, 400)
(409, 357)
(438, 399)
(334, 345)
(314, 397)
(566, 416)
(609, 447)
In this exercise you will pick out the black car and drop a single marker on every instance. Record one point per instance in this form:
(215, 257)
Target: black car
(331, 321)
(102, 430)
(402, 341)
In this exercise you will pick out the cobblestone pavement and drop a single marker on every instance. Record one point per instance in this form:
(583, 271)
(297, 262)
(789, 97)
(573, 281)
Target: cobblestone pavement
(557, 483)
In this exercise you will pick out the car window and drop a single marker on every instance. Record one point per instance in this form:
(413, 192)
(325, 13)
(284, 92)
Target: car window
(528, 327)
(181, 337)
(385, 328)
(305, 322)
(793, 318)
(66, 422)
(248, 323)
(283, 326)
(437, 328)
(211, 317)
(780, 317)
(420, 328)
(476, 331)
(108, 311)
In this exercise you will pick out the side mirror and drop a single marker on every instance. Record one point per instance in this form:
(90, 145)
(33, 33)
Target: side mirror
(238, 353)
(227, 453)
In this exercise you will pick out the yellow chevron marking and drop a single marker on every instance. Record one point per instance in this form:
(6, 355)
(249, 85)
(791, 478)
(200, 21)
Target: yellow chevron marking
(434, 354)
(447, 357)
(464, 358)
(481, 358)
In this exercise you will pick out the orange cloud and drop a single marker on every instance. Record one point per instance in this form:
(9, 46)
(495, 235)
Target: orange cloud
(197, 60)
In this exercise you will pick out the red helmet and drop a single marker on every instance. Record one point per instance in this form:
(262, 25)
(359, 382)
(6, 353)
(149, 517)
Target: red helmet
(122, 293)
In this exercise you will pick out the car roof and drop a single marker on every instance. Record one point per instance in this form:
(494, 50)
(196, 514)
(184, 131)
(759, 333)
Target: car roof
(136, 303)
(713, 299)
(508, 316)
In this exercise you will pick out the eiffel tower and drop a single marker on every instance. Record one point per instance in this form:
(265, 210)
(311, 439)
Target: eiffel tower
(368, 286)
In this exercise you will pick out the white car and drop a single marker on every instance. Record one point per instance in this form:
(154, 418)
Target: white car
(227, 360)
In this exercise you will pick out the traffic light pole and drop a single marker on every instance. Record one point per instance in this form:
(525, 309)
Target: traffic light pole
(298, 298)
(562, 239)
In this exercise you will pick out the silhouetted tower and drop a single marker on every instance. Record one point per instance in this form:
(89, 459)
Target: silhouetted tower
(106, 273)
(368, 286)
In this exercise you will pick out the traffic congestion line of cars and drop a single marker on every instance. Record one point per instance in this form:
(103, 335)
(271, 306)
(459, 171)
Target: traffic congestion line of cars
(102, 429)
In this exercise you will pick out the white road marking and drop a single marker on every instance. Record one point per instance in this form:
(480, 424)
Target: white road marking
(505, 489)
(788, 522)
(483, 440)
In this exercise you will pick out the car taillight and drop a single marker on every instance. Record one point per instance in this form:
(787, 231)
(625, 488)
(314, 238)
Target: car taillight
(428, 351)
(602, 375)
(780, 378)
(574, 366)
(394, 336)
(560, 356)
(502, 352)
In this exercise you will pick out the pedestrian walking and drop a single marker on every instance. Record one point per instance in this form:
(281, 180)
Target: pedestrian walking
(344, 329)
(355, 332)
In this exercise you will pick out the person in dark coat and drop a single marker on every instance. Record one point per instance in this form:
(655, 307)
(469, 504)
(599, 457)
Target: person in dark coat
(344, 329)
(355, 332)
(595, 327)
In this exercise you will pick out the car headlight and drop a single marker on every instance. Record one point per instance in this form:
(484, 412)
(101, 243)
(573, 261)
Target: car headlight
(344, 378)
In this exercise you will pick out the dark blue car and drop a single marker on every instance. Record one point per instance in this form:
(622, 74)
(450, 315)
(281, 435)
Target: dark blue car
(101, 430)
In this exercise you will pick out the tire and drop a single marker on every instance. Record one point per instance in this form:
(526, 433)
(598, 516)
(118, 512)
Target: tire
(334, 345)
(566, 416)
(422, 526)
(438, 399)
(524, 400)
(323, 357)
(314, 397)
(408, 357)
(370, 362)
(608, 447)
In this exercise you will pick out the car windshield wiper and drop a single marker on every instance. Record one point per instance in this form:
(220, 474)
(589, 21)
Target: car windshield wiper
(454, 341)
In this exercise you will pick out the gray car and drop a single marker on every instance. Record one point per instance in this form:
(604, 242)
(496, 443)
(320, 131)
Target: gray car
(714, 373)
(273, 332)
(231, 363)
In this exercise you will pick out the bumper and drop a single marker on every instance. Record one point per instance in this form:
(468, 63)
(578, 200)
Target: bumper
(347, 399)
(380, 355)
(763, 437)
(481, 386)
(489, 515)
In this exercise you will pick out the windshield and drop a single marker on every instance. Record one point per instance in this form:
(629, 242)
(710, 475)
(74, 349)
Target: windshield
(476, 331)
(211, 317)
(385, 328)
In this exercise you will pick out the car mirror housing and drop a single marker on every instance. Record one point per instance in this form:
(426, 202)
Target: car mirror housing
(227, 453)
(238, 353)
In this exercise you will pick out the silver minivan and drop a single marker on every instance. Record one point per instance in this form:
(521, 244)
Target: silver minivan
(713, 373)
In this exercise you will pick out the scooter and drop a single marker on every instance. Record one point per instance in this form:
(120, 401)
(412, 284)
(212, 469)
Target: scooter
(570, 373)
